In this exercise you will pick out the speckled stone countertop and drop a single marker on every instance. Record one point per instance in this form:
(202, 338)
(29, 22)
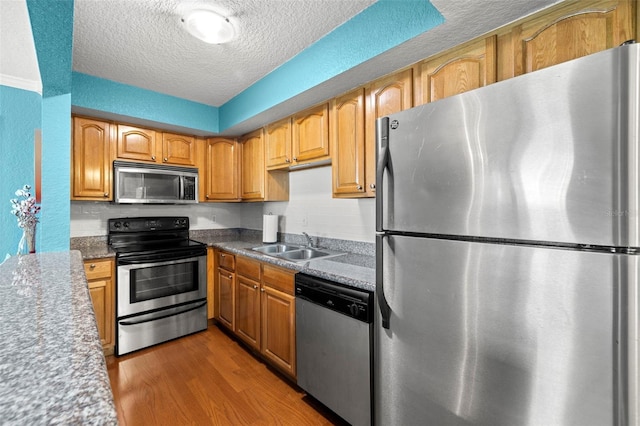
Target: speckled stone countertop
(356, 268)
(52, 368)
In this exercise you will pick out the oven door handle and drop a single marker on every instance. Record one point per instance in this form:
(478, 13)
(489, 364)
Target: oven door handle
(138, 260)
(172, 314)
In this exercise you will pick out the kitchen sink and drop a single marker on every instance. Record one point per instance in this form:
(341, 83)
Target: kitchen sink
(276, 248)
(303, 254)
(295, 253)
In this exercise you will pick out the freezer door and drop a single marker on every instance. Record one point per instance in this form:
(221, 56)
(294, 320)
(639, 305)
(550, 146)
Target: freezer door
(484, 334)
(548, 156)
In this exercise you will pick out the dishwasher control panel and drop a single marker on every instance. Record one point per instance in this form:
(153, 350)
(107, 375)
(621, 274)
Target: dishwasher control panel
(354, 303)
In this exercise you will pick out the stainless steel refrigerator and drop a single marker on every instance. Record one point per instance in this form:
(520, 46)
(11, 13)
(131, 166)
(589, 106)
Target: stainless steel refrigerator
(507, 252)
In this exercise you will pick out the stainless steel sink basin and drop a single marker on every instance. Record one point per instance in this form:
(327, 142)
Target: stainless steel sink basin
(303, 254)
(295, 253)
(276, 248)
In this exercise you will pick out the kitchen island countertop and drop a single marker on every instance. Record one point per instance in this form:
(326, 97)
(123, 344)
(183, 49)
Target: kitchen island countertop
(52, 368)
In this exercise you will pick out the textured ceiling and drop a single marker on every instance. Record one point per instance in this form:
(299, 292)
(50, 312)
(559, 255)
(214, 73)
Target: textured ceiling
(143, 43)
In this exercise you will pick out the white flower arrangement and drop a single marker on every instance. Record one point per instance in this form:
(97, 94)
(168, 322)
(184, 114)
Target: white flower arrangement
(26, 209)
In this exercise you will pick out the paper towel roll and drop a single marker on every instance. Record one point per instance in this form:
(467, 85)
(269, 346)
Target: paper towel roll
(270, 228)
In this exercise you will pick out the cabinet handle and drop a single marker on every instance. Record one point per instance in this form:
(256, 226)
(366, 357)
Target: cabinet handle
(165, 159)
(230, 277)
(262, 290)
(206, 196)
(255, 287)
(153, 157)
(287, 160)
(359, 187)
(92, 266)
(372, 185)
(221, 254)
(106, 194)
(295, 158)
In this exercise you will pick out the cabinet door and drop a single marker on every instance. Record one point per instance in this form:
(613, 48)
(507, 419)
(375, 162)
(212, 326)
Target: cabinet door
(211, 293)
(178, 149)
(310, 134)
(587, 27)
(248, 311)
(457, 71)
(278, 144)
(253, 167)
(278, 339)
(135, 143)
(92, 155)
(99, 275)
(221, 170)
(385, 96)
(348, 145)
(226, 298)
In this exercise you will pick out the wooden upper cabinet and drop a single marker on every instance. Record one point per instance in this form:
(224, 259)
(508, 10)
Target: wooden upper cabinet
(91, 156)
(577, 30)
(252, 166)
(457, 71)
(348, 145)
(390, 94)
(136, 143)
(277, 141)
(178, 149)
(221, 170)
(310, 134)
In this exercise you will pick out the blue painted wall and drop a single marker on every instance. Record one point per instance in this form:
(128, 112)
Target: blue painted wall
(106, 95)
(52, 25)
(378, 28)
(20, 113)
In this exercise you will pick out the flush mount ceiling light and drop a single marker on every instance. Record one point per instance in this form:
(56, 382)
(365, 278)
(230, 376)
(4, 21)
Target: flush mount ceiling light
(208, 26)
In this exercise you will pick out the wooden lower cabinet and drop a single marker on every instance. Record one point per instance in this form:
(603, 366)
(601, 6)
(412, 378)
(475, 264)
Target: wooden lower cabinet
(257, 302)
(100, 277)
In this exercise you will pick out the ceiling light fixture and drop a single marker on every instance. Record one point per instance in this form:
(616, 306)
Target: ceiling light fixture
(208, 26)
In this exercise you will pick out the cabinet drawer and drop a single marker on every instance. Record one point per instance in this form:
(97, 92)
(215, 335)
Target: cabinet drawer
(248, 268)
(278, 278)
(97, 269)
(226, 261)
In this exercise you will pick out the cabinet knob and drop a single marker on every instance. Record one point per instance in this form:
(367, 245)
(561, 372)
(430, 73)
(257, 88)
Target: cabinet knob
(165, 159)
(255, 286)
(153, 157)
(106, 194)
(295, 158)
(262, 290)
(221, 254)
(359, 187)
(92, 266)
(206, 196)
(287, 160)
(230, 277)
(372, 185)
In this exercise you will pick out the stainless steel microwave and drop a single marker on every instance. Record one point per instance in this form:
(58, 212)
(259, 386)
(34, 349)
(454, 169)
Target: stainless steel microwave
(142, 183)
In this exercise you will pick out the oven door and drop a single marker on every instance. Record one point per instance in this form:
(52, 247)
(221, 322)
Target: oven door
(145, 284)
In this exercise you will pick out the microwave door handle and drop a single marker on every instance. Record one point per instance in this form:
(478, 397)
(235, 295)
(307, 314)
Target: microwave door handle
(181, 196)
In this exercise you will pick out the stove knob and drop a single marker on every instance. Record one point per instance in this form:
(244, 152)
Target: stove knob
(354, 309)
(117, 225)
(126, 224)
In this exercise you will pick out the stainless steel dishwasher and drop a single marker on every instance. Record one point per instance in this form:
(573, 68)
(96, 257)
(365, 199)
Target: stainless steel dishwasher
(333, 344)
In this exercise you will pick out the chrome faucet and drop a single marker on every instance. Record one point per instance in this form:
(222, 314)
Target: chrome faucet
(309, 240)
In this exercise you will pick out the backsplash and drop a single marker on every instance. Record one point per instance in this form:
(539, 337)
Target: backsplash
(310, 209)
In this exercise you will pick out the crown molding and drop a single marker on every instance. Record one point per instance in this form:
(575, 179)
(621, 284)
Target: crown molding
(21, 83)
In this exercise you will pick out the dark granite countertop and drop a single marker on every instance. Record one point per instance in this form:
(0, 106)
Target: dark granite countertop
(52, 368)
(356, 268)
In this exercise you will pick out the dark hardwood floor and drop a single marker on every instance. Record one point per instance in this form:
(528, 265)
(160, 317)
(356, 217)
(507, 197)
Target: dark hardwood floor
(207, 379)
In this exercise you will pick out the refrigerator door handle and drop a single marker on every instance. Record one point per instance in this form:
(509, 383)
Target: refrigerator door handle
(385, 309)
(382, 152)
